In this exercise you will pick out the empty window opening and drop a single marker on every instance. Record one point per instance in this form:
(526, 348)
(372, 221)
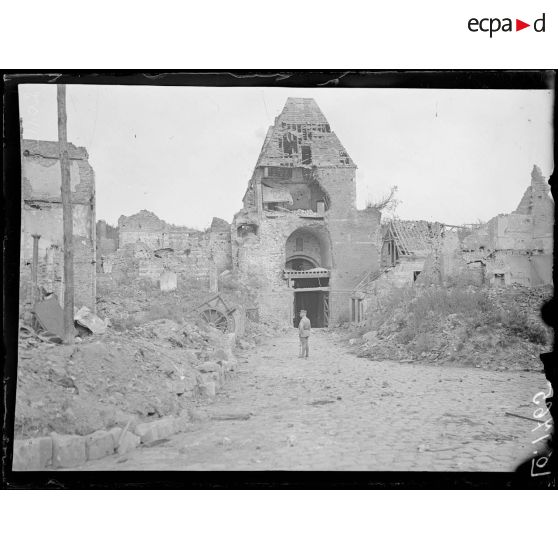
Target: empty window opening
(280, 172)
(306, 155)
(290, 146)
(246, 230)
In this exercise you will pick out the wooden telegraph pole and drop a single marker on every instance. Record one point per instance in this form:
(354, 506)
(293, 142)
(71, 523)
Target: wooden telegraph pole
(66, 217)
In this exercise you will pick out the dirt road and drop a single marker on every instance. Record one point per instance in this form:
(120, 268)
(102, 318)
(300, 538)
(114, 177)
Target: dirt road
(335, 411)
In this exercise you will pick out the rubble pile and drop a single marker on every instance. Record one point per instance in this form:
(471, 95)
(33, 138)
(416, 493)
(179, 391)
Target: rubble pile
(127, 304)
(497, 329)
(158, 369)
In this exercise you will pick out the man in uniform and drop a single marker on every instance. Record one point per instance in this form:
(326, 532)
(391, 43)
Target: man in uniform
(304, 333)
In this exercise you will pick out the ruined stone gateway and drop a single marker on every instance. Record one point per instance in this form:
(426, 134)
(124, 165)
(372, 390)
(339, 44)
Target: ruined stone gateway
(299, 235)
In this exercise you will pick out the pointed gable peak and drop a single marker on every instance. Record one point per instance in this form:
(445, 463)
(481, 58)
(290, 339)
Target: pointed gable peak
(302, 137)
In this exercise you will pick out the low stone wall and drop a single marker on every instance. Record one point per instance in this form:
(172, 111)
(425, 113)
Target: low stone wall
(68, 451)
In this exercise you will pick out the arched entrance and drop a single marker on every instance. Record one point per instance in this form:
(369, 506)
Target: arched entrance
(307, 270)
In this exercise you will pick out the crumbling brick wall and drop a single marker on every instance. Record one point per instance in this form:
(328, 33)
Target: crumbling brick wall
(220, 244)
(191, 254)
(517, 248)
(133, 261)
(42, 215)
(152, 231)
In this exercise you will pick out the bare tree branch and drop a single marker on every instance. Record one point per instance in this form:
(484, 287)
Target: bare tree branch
(386, 203)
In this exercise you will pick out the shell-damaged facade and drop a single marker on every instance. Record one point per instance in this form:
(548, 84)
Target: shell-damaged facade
(299, 236)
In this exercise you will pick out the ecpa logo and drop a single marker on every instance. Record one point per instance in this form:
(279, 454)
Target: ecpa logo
(494, 24)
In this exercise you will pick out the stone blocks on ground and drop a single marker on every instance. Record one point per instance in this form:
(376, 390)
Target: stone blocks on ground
(115, 432)
(182, 422)
(147, 432)
(99, 444)
(32, 455)
(68, 450)
(128, 442)
(156, 430)
(165, 427)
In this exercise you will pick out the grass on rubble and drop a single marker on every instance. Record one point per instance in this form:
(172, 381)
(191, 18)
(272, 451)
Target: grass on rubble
(469, 324)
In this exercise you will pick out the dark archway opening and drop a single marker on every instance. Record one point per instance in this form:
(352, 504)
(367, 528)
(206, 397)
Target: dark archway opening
(316, 304)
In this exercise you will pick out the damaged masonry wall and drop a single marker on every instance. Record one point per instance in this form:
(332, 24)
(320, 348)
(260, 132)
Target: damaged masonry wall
(149, 247)
(42, 215)
(517, 248)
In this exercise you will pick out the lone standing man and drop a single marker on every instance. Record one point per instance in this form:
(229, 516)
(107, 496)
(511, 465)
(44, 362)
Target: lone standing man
(304, 333)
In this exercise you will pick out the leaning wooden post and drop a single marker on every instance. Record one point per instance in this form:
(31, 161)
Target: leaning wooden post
(66, 217)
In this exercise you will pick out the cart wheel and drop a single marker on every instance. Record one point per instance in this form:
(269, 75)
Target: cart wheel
(216, 318)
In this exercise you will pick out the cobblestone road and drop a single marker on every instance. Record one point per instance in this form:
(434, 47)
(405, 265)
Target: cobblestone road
(335, 411)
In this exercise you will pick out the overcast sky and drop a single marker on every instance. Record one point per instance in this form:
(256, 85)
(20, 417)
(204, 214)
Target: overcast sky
(187, 153)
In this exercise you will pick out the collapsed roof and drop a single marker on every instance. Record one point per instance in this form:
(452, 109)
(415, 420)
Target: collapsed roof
(302, 137)
(413, 237)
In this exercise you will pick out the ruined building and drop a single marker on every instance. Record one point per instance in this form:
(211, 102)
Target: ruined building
(517, 248)
(148, 247)
(41, 221)
(414, 247)
(299, 236)
(511, 249)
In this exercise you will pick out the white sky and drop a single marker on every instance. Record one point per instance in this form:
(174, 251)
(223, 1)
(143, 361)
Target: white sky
(187, 153)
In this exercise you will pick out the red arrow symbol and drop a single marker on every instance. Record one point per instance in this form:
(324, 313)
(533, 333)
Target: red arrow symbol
(519, 25)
